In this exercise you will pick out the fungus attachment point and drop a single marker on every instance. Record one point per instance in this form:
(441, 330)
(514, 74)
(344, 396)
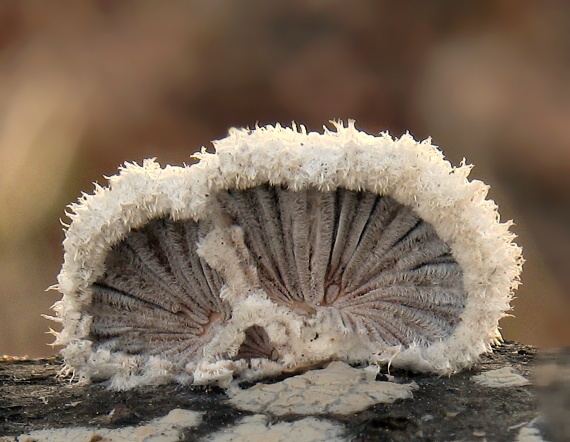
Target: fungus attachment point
(284, 250)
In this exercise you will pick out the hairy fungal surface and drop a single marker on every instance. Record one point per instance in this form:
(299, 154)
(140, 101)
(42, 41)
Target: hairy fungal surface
(157, 296)
(366, 261)
(284, 250)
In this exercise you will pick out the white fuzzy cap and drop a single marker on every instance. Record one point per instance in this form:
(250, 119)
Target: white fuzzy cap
(413, 173)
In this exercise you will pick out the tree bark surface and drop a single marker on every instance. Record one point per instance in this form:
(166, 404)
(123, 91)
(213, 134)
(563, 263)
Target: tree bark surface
(32, 397)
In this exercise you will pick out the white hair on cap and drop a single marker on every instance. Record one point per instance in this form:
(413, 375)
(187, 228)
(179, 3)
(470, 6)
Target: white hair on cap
(281, 251)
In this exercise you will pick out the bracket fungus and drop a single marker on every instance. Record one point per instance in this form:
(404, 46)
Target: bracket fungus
(284, 250)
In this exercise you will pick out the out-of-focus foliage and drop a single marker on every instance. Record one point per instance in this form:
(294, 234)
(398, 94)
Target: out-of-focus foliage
(85, 86)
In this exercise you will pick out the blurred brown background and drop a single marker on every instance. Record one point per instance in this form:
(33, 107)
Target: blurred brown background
(85, 86)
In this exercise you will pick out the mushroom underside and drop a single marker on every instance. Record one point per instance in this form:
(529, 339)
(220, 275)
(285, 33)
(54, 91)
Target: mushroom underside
(361, 261)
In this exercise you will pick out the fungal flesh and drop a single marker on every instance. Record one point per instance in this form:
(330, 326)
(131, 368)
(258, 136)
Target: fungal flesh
(282, 251)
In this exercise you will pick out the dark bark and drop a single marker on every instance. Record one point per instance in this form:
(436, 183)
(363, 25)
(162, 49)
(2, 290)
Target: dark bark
(443, 408)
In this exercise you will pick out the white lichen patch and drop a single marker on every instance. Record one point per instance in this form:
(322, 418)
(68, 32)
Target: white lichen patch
(164, 429)
(257, 429)
(337, 389)
(531, 432)
(501, 378)
(282, 251)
